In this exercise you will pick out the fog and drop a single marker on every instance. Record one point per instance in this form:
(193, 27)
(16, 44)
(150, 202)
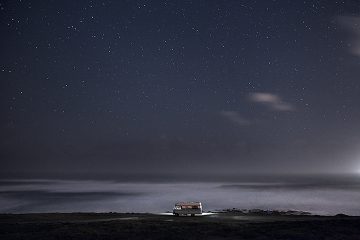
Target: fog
(329, 197)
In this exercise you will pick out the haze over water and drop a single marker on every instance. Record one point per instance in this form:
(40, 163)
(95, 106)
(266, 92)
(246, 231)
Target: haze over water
(327, 195)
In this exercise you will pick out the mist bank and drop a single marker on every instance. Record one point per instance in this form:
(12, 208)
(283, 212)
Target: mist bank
(322, 196)
(201, 176)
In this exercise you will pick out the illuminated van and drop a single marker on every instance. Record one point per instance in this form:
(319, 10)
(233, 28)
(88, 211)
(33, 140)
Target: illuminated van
(187, 208)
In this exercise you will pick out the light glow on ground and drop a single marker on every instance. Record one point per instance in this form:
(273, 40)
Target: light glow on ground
(196, 215)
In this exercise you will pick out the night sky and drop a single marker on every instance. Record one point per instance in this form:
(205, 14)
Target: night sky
(179, 87)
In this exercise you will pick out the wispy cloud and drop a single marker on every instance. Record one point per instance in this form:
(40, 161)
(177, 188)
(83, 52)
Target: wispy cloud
(272, 101)
(352, 25)
(235, 117)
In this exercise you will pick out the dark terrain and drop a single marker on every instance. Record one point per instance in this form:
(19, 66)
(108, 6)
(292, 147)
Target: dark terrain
(227, 225)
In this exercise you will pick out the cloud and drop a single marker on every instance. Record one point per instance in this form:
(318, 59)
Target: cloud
(352, 25)
(272, 101)
(235, 117)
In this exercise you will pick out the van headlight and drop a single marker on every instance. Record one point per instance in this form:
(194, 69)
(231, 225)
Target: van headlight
(177, 208)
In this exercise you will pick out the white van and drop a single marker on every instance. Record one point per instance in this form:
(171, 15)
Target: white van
(187, 208)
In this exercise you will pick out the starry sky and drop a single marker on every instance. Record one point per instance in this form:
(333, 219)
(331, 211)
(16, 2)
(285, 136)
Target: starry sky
(168, 87)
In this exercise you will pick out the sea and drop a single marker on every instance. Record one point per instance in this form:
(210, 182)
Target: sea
(329, 195)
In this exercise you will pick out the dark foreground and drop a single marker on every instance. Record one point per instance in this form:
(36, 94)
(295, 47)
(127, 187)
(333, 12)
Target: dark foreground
(151, 226)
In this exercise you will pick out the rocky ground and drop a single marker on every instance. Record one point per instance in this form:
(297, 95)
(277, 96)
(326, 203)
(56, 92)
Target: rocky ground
(224, 225)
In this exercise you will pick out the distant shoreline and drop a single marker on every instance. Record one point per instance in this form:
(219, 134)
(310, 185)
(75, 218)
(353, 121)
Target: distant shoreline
(229, 211)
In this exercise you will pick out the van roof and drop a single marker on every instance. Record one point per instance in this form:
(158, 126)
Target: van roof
(188, 203)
